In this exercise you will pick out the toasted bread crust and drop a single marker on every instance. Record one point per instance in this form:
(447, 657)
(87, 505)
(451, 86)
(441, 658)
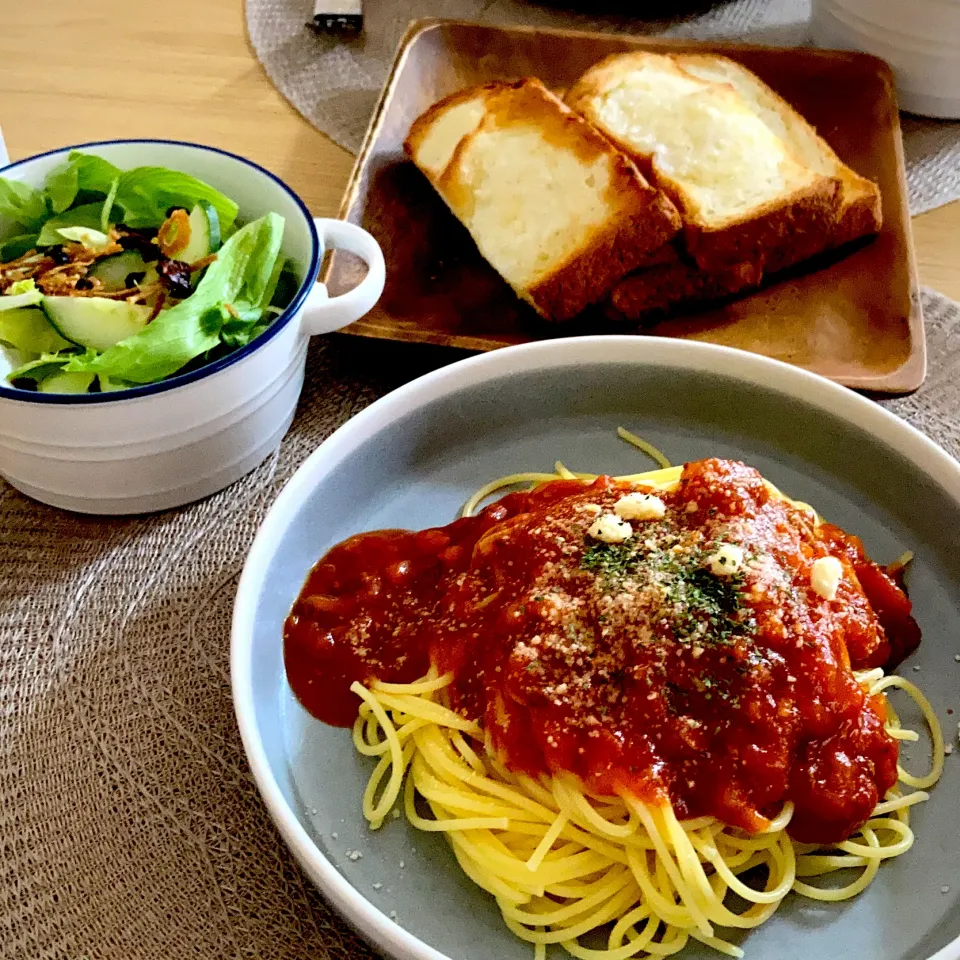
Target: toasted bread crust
(859, 212)
(814, 208)
(860, 216)
(862, 213)
(646, 294)
(586, 278)
(651, 293)
(808, 219)
(422, 125)
(640, 219)
(601, 76)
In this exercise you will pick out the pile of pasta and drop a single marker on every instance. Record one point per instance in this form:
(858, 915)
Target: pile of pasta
(610, 878)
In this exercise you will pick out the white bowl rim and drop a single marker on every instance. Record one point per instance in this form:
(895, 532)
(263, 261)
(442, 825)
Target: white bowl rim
(749, 368)
(170, 383)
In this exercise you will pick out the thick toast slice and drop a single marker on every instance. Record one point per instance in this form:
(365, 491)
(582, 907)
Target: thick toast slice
(557, 210)
(437, 133)
(658, 287)
(646, 293)
(739, 187)
(859, 211)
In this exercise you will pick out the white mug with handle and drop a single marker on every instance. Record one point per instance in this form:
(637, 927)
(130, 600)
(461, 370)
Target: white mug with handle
(165, 444)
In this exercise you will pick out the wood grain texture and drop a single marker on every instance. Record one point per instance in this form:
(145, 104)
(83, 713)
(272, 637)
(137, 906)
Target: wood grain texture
(177, 68)
(936, 237)
(184, 69)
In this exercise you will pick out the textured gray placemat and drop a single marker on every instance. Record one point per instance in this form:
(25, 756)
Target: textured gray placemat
(130, 826)
(335, 85)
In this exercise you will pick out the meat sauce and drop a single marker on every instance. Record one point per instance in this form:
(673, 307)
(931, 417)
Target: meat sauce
(631, 665)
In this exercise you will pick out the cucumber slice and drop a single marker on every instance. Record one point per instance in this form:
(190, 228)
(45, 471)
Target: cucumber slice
(67, 383)
(95, 321)
(28, 330)
(110, 386)
(204, 234)
(113, 271)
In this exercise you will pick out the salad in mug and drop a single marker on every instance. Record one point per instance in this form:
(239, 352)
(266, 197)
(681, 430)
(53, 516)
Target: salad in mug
(125, 277)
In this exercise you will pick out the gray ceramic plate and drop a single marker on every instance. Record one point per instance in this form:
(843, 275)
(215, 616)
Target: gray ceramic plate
(411, 460)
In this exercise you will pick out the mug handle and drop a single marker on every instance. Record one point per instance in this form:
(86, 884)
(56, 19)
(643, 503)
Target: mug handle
(323, 313)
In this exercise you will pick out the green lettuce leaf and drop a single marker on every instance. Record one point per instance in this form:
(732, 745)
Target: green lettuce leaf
(86, 216)
(260, 277)
(146, 193)
(80, 171)
(62, 186)
(240, 275)
(108, 204)
(140, 197)
(94, 173)
(22, 204)
(248, 320)
(23, 293)
(22, 286)
(107, 385)
(40, 369)
(240, 334)
(237, 331)
(15, 247)
(93, 240)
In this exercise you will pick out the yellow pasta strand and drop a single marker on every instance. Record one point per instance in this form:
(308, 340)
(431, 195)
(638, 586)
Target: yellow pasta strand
(375, 812)
(430, 683)
(667, 475)
(933, 724)
(648, 448)
(543, 847)
(501, 483)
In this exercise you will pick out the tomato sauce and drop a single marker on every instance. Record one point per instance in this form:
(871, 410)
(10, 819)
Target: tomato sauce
(640, 664)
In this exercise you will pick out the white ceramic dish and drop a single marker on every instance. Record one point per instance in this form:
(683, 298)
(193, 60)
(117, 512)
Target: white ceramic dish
(412, 459)
(168, 443)
(920, 39)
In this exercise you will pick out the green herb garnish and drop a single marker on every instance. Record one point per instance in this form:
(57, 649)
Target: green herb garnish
(698, 606)
(614, 560)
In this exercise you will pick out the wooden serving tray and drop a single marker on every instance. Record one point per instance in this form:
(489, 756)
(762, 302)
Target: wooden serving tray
(854, 318)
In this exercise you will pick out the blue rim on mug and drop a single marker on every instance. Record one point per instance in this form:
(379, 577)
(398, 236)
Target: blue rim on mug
(179, 380)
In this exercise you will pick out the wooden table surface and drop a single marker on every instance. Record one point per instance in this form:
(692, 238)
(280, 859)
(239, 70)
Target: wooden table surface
(184, 69)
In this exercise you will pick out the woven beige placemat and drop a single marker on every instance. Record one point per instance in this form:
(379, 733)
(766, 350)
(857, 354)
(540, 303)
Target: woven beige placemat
(335, 85)
(130, 826)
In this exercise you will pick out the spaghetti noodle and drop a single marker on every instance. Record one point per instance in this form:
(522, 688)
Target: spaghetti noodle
(562, 864)
(624, 848)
